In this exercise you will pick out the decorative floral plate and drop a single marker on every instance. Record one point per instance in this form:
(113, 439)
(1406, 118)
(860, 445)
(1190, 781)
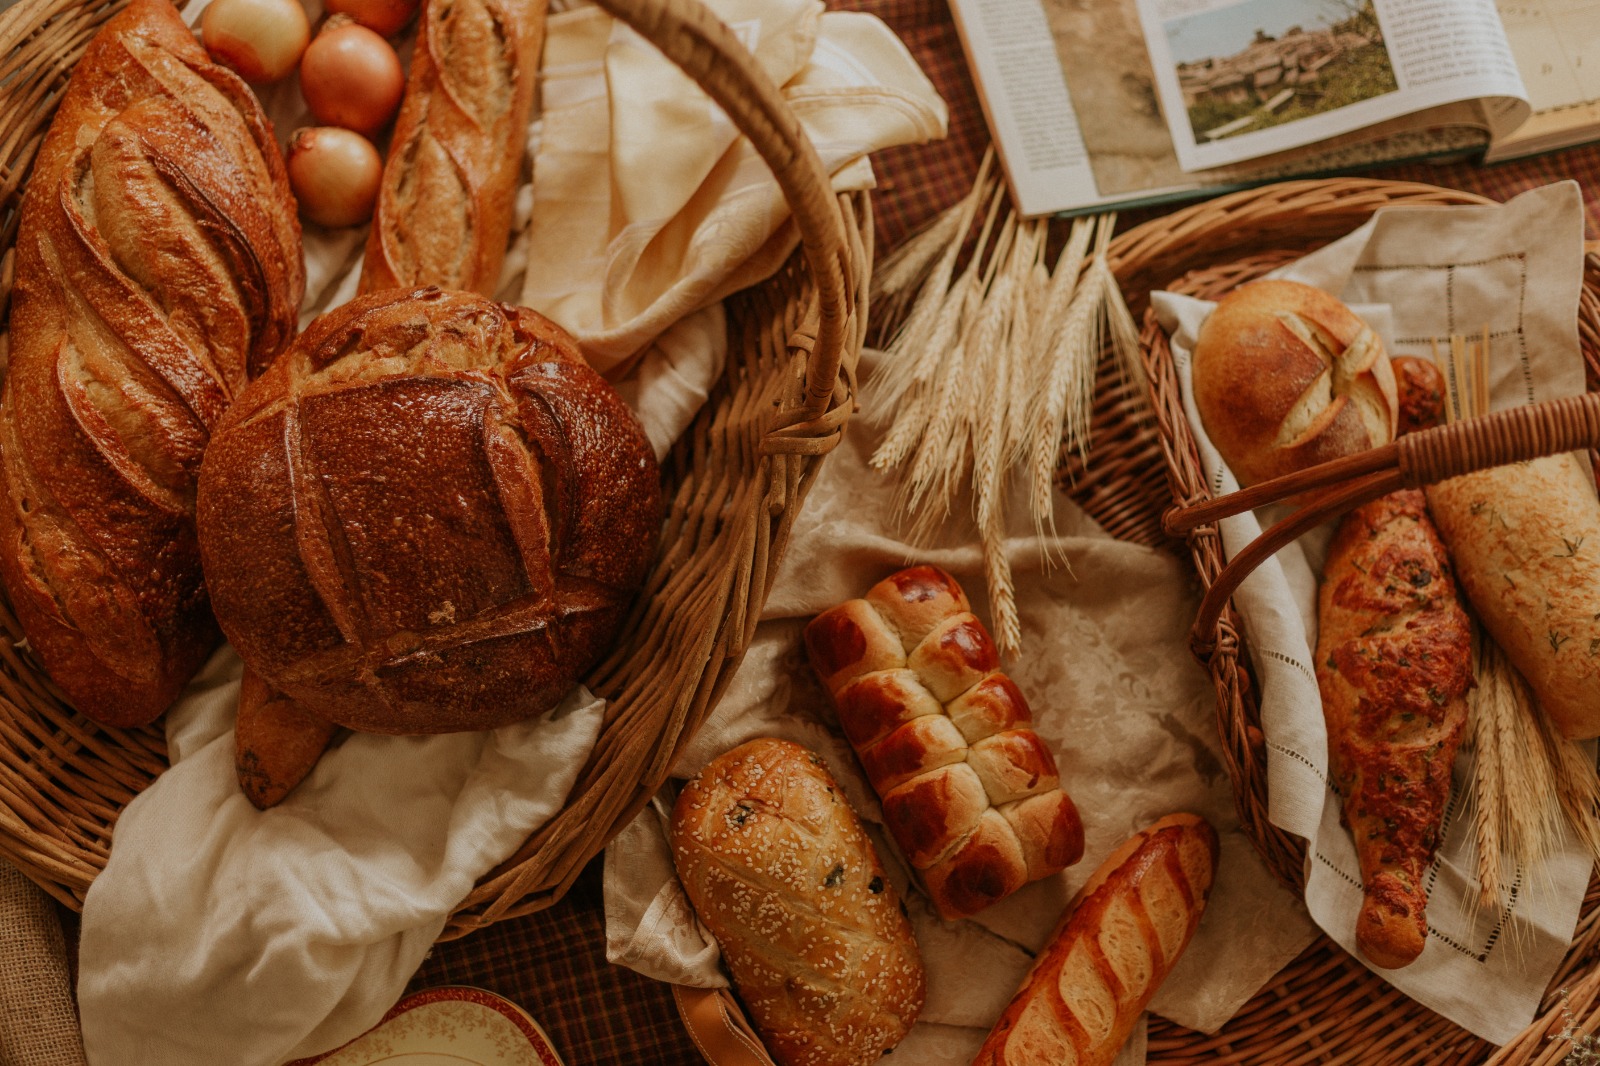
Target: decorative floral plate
(447, 1027)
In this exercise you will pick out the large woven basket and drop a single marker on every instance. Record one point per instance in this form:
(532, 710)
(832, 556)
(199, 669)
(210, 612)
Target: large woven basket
(1325, 1007)
(733, 483)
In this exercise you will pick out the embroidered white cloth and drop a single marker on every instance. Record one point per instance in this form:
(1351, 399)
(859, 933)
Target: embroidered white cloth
(1517, 268)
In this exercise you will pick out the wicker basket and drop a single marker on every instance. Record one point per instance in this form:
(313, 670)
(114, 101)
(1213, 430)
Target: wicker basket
(734, 484)
(1325, 1007)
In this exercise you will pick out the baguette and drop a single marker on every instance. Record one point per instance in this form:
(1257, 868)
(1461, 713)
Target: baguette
(1394, 663)
(1116, 944)
(783, 874)
(970, 792)
(276, 742)
(444, 207)
(1526, 543)
(158, 267)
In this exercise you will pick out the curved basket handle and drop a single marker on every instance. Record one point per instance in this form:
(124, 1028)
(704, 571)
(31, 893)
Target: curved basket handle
(1416, 459)
(688, 33)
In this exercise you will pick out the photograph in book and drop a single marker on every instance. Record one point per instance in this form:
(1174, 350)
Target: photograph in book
(1265, 63)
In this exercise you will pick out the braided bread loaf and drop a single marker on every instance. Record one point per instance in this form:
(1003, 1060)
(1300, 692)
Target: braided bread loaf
(970, 792)
(783, 874)
(158, 265)
(429, 515)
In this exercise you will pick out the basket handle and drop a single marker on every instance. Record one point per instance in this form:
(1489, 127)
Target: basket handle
(1414, 460)
(688, 33)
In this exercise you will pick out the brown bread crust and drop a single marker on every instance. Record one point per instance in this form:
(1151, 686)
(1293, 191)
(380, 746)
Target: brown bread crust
(444, 208)
(1394, 663)
(429, 515)
(158, 265)
(970, 793)
(783, 874)
(1116, 944)
(276, 742)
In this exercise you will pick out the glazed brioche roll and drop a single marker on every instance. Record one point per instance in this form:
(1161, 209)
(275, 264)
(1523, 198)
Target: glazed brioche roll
(970, 792)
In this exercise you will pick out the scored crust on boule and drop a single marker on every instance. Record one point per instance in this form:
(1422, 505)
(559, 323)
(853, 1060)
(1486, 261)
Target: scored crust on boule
(429, 515)
(1286, 376)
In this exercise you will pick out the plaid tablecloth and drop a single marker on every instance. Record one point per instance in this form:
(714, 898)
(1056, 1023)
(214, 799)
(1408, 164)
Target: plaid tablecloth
(553, 963)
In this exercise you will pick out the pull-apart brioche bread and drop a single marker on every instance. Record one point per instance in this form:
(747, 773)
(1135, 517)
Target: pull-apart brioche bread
(1286, 377)
(444, 207)
(158, 266)
(1116, 944)
(969, 791)
(783, 874)
(429, 515)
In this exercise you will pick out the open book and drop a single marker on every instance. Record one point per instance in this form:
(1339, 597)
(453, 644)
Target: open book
(1119, 102)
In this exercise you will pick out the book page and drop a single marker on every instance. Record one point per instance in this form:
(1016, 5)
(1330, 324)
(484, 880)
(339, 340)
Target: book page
(1026, 101)
(1557, 48)
(1242, 79)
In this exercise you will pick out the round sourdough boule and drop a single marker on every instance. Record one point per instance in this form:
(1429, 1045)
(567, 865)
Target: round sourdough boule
(1286, 377)
(429, 515)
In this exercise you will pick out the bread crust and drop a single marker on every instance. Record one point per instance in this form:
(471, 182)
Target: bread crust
(1116, 943)
(429, 515)
(1526, 543)
(1286, 376)
(781, 871)
(946, 739)
(1394, 663)
(445, 204)
(158, 266)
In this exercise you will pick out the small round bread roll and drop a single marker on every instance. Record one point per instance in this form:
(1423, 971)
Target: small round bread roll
(1420, 386)
(1286, 377)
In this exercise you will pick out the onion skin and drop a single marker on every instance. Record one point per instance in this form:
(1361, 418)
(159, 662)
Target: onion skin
(334, 173)
(260, 40)
(383, 17)
(351, 77)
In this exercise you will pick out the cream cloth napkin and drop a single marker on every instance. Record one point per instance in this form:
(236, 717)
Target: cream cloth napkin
(1115, 694)
(1518, 268)
(218, 933)
(647, 206)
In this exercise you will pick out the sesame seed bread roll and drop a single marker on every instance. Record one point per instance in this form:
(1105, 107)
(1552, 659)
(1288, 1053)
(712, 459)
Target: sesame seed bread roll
(781, 871)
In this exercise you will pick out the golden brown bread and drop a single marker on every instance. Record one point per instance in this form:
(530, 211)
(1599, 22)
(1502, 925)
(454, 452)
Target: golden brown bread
(1419, 394)
(429, 515)
(1116, 944)
(1286, 376)
(158, 265)
(1394, 663)
(970, 792)
(276, 742)
(444, 208)
(782, 873)
(1525, 540)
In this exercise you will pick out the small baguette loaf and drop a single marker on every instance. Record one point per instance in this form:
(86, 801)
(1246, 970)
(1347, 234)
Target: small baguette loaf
(1526, 543)
(276, 742)
(782, 873)
(1117, 942)
(970, 792)
(444, 207)
(158, 267)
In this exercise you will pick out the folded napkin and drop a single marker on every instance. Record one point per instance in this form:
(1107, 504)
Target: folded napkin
(1115, 695)
(1517, 267)
(38, 1025)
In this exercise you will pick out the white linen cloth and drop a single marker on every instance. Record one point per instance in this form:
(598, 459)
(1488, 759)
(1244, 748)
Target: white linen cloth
(1115, 695)
(1518, 269)
(220, 934)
